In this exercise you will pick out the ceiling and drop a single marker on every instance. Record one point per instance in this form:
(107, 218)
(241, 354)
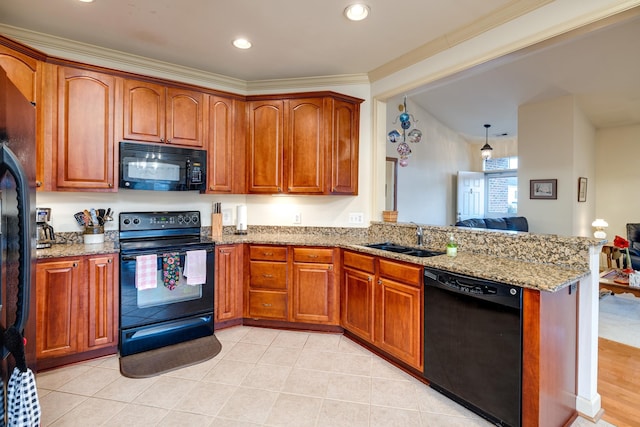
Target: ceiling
(601, 68)
(307, 38)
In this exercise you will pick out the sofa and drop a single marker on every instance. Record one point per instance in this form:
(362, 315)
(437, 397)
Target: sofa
(633, 236)
(512, 223)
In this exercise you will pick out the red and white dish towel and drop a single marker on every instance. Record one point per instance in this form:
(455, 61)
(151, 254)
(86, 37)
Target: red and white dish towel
(146, 271)
(195, 267)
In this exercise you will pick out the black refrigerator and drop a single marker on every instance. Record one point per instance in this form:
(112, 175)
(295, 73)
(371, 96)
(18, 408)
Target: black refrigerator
(17, 224)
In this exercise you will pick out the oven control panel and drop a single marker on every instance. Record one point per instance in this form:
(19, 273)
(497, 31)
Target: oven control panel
(130, 221)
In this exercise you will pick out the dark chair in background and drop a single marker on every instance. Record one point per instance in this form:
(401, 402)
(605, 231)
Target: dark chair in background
(633, 236)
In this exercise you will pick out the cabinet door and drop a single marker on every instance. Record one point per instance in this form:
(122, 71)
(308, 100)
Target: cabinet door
(226, 145)
(305, 146)
(344, 148)
(85, 147)
(315, 296)
(228, 283)
(22, 70)
(57, 307)
(101, 301)
(26, 74)
(399, 321)
(144, 111)
(357, 303)
(185, 109)
(265, 147)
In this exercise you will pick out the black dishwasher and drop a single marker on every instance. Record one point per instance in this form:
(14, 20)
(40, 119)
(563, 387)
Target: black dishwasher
(473, 343)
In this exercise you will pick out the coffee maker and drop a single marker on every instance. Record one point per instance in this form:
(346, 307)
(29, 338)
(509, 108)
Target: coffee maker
(45, 235)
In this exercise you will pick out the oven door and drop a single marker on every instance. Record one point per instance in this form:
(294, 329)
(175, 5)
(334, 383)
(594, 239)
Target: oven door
(158, 316)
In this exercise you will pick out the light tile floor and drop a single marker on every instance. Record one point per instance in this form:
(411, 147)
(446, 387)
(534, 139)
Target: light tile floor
(262, 377)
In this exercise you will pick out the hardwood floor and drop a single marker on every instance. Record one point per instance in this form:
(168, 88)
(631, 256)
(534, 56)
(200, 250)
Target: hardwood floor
(618, 377)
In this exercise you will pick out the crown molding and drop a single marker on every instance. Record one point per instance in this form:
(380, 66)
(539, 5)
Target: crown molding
(90, 54)
(109, 58)
(257, 86)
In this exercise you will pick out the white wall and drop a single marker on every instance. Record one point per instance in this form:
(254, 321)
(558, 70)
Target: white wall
(555, 141)
(584, 154)
(427, 186)
(618, 178)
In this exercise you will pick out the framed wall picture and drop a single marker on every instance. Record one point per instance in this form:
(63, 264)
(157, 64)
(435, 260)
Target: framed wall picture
(543, 189)
(582, 189)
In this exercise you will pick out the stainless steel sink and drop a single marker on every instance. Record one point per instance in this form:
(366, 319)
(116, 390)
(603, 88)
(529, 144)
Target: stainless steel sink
(405, 250)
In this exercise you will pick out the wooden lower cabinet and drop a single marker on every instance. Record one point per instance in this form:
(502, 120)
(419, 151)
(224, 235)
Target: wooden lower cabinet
(292, 284)
(228, 283)
(382, 303)
(57, 306)
(76, 305)
(314, 292)
(267, 292)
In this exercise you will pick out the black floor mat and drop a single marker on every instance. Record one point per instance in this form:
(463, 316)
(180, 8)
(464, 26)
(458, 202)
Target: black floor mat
(155, 362)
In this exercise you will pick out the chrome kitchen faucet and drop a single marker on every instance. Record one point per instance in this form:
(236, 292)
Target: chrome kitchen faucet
(419, 234)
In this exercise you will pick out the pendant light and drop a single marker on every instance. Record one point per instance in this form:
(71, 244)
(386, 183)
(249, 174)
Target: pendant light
(486, 148)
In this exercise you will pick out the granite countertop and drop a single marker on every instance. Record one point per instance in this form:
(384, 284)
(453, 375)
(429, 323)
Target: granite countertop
(544, 277)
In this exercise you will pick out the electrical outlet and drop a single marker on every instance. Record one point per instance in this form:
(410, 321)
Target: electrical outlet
(297, 218)
(227, 217)
(356, 218)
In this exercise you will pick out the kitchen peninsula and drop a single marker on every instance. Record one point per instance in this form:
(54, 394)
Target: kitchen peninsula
(522, 259)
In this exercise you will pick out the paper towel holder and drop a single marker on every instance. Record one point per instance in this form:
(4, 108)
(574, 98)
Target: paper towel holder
(241, 219)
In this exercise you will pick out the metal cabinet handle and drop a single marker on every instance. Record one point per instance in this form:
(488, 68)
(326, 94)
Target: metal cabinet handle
(313, 256)
(74, 265)
(267, 305)
(369, 279)
(330, 268)
(168, 141)
(267, 276)
(110, 185)
(161, 139)
(267, 253)
(379, 281)
(38, 183)
(279, 190)
(109, 261)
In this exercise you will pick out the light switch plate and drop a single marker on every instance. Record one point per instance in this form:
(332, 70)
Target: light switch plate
(227, 216)
(297, 218)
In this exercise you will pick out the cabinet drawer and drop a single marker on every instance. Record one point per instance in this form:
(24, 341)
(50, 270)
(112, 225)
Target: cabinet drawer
(406, 273)
(269, 275)
(267, 304)
(320, 255)
(359, 261)
(268, 253)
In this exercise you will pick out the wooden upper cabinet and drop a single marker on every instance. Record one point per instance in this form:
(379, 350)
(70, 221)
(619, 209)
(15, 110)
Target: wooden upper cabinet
(305, 145)
(225, 135)
(155, 113)
(344, 147)
(265, 147)
(185, 109)
(22, 70)
(25, 72)
(85, 130)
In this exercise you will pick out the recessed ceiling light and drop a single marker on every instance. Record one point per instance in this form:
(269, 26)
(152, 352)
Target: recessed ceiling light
(242, 43)
(356, 12)
(86, 1)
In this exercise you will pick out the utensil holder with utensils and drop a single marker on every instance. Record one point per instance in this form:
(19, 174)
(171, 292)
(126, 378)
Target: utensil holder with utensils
(93, 234)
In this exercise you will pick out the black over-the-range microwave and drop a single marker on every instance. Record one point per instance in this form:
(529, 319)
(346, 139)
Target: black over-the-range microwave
(161, 167)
